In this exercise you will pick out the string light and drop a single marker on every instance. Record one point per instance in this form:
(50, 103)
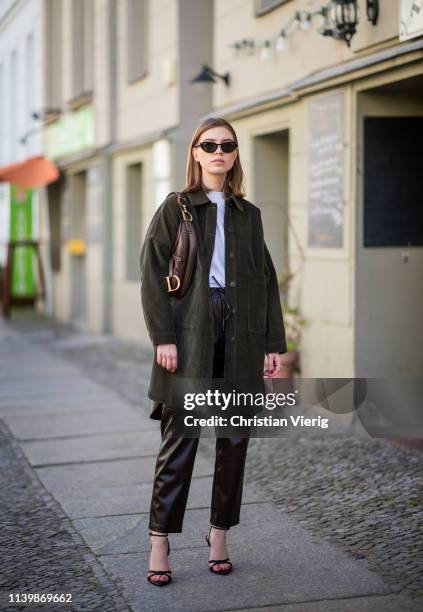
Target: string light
(266, 51)
(322, 15)
(305, 22)
(280, 44)
(299, 20)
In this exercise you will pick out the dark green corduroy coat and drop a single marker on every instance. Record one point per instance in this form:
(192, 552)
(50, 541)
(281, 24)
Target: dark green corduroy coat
(256, 325)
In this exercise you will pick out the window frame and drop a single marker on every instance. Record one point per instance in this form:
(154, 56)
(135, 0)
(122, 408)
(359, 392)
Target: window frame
(82, 51)
(135, 73)
(259, 11)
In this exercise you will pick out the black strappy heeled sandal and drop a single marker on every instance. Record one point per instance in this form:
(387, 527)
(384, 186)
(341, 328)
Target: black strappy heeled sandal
(217, 561)
(160, 572)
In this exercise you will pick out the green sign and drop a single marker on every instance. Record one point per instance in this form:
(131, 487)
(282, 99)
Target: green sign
(23, 283)
(71, 134)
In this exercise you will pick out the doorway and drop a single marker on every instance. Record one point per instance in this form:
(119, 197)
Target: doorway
(389, 236)
(271, 172)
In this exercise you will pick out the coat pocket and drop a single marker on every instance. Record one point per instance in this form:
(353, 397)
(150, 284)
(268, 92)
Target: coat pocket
(184, 310)
(257, 303)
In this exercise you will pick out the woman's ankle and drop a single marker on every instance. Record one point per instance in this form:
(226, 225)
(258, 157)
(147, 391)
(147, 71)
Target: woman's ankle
(219, 527)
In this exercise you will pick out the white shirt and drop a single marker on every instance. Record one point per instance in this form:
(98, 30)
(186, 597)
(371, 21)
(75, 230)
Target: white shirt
(217, 267)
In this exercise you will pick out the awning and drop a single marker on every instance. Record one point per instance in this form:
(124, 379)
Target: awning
(33, 172)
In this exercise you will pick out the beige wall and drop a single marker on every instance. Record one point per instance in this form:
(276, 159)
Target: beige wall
(306, 52)
(149, 104)
(385, 33)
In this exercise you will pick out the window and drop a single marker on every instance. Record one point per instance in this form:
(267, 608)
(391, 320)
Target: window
(82, 47)
(265, 6)
(133, 220)
(137, 39)
(53, 54)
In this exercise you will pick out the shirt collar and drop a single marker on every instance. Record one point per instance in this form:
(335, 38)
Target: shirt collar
(200, 197)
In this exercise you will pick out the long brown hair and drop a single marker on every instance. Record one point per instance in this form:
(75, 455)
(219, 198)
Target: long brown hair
(234, 182)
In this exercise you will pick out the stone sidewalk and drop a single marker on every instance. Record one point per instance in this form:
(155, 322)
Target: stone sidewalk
(92, 455)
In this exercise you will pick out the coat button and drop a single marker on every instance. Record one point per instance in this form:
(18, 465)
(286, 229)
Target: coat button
(231, 254)
(232, 284)
(234, 310)
(232, 338)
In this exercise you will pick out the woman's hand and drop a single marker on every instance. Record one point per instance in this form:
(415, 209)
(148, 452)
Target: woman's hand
(272, 365)
(167, 356)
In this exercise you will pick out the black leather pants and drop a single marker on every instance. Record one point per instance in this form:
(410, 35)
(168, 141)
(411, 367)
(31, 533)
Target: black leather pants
(175, 460)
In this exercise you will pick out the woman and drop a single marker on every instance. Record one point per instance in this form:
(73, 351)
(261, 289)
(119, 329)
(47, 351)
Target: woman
(226, 325)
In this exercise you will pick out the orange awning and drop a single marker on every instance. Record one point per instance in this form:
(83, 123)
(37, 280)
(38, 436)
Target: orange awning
(33, 172)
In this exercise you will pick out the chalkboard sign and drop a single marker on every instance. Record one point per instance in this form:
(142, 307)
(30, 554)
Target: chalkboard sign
(326, 171)
(393, 181)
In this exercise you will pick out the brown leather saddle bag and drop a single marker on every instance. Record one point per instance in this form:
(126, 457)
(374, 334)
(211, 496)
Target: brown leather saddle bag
(184, 253)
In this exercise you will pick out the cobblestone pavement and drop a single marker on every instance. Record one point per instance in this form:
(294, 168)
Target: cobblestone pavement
(44, 553)
(363, 495)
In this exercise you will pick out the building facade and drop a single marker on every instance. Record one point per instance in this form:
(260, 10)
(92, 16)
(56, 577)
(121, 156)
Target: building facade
(121, 116)
(21, 96)
(327, 143)
(326, 140)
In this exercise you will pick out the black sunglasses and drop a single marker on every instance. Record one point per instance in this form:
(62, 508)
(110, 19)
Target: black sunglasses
(211, 147)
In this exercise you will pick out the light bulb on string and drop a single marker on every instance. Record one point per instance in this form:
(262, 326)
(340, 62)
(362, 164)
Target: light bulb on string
(323, 16)
(305, 21)
(266, 53)
(297, 18)
(237, 46)
(251, 44)
(280, 44)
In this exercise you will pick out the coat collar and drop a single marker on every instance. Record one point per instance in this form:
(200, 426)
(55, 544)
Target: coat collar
(200, 197)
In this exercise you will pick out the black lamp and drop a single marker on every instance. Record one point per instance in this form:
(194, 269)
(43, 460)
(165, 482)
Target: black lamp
(373, 10)
(207, 74)
(343, 15)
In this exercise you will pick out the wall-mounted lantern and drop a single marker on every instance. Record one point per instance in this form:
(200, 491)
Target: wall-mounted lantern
(207, 75)
(343, 18)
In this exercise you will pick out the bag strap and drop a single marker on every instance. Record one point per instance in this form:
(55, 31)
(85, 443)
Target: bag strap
(182, 201)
